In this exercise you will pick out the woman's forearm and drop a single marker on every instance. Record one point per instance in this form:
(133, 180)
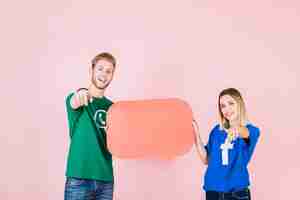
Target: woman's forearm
(199, 144)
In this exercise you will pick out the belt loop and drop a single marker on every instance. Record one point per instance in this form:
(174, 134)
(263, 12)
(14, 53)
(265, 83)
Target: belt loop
(221, 195)
(95, 185)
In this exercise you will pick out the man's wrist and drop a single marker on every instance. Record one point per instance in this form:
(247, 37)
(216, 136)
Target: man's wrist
(79, 89)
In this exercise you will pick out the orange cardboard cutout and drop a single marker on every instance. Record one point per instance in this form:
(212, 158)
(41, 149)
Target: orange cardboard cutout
(150, 129)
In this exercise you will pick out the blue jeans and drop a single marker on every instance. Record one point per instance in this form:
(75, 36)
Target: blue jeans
(236, 195)
(85, 189)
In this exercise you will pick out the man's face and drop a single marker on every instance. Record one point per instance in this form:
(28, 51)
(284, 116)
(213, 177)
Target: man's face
(102, 74)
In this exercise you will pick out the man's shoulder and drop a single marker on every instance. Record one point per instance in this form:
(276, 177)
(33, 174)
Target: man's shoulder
(108, 100)
(69, 96)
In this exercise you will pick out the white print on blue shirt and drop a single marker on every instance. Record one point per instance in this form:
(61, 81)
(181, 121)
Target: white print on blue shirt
(225, 148)
(234, 175)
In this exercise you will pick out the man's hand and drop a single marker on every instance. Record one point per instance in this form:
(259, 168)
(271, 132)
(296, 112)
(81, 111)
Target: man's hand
(81, 98)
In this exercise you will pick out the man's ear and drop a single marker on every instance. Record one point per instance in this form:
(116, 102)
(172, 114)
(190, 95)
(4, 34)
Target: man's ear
(90, 73)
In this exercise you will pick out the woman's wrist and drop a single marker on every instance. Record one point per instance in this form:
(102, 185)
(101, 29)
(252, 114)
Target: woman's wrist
(243, 132)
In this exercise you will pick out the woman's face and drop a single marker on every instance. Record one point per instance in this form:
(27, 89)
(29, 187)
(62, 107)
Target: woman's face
(229, 108)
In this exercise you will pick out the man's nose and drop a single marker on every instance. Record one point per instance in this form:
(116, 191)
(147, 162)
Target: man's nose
(102, 75)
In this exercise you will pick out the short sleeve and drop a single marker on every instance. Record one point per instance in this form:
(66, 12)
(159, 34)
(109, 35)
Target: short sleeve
(73, 114)
(254, 134)
(208, 146)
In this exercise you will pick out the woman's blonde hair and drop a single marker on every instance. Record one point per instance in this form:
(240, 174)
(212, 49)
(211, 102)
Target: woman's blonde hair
(236, 95)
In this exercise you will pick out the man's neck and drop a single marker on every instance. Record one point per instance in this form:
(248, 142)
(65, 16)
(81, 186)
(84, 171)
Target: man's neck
(95, 92)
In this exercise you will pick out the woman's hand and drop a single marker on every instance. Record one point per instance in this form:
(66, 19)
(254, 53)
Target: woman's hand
(196, 130)
(240, 131)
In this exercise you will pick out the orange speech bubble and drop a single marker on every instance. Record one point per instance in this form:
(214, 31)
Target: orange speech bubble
(159, 129)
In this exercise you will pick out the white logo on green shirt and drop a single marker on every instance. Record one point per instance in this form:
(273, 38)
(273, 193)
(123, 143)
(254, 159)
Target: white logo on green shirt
(100, 118)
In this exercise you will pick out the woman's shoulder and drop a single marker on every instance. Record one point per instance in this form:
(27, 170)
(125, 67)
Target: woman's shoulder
(216, 129)
(254, 129)
(251, 125)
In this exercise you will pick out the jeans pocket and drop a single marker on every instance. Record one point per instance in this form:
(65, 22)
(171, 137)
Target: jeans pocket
(74, 181)
(243, 194)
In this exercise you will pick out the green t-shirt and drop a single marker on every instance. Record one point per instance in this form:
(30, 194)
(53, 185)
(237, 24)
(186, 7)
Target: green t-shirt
(88, 156)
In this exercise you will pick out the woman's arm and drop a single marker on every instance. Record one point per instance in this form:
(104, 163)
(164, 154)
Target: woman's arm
(252, 134)
(199, 144)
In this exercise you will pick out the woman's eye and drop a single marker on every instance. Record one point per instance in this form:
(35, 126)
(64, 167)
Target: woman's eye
(231, 103)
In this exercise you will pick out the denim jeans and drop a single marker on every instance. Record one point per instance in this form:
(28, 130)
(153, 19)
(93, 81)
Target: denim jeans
(243, 194)
(85, 189)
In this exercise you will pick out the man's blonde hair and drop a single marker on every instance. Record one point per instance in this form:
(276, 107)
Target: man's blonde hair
(104, 56)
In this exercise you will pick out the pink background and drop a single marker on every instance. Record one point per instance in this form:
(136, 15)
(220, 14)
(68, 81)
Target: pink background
(188, 49)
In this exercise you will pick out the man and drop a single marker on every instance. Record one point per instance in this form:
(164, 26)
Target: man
(89, 166)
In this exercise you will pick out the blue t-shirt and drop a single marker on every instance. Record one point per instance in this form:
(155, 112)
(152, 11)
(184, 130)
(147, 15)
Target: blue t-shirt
(227, 167)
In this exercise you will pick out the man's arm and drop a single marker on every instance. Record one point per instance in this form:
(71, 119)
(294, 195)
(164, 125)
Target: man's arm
(80, 98)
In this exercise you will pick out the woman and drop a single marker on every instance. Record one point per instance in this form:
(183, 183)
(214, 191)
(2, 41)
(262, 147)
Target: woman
(229, 149)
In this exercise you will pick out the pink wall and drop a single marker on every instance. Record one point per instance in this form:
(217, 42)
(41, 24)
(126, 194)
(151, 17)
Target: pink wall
(187, 49)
